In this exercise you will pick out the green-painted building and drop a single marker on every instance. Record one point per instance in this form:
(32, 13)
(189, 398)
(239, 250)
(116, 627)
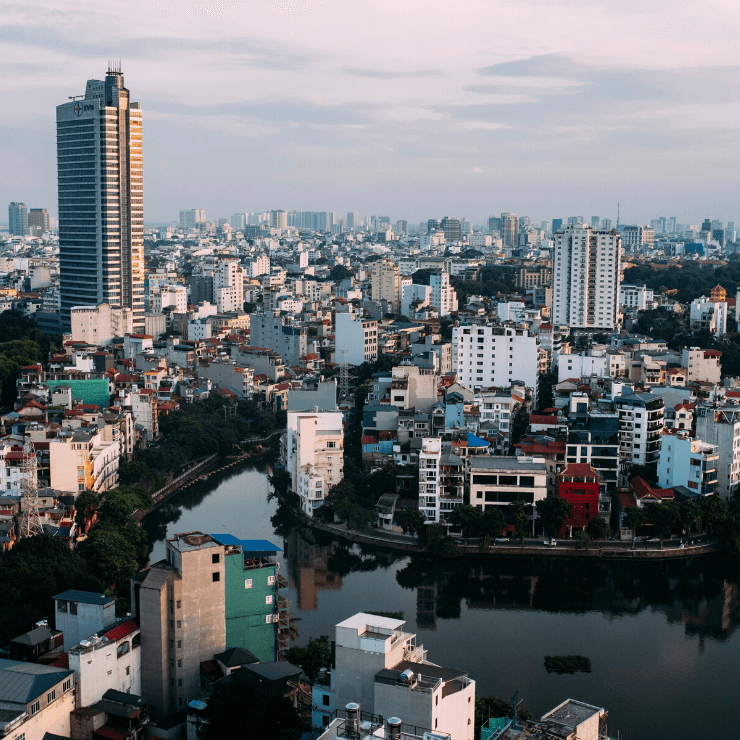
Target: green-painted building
(252, 611)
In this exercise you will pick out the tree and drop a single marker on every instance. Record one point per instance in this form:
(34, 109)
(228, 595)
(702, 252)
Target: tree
(582, 538)
(664, 517)
(597, 528)
(467, 518)
(240, 701)
(519, 424)
(84, 501)
(729, 530)
(312, 658)
(713, 512)
(519, 517)
(634, 518)
(689, 512)
(450, 548)
(553, 511)
(493, 522)
(111, 557)
(410, 520)
(34, 571)
(435, 536)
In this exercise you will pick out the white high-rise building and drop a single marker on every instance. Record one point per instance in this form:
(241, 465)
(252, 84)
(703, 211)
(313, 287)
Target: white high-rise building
(101, 200)
(228, 286)
(486, 356)
(279, 219)
(444, 296)
(314, 447)
(586, 277)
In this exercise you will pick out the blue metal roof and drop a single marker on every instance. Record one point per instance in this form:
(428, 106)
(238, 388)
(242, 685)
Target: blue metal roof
(474, 441)
(247, 545)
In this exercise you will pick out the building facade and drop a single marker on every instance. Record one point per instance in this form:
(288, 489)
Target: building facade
(586, 278)
(101, 199)
(487, 356)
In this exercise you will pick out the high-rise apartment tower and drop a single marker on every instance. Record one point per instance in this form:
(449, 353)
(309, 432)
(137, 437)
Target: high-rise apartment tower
(586, 277)
(17, 219)
(101, 199)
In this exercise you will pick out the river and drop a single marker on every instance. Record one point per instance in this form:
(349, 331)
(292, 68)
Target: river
(662, 637)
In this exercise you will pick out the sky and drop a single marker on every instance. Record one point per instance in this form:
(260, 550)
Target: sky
(409, 108)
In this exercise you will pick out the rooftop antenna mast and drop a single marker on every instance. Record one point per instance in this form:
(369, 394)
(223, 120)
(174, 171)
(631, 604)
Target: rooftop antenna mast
(31, 525)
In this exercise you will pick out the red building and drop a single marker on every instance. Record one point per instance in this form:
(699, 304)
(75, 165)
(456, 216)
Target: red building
(579, 485)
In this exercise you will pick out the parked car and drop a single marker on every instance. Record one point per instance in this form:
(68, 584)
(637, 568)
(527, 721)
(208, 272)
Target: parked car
(550, 543)
(654, 539)
(501, 539)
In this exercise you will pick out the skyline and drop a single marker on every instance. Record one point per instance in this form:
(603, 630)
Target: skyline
(393, 110)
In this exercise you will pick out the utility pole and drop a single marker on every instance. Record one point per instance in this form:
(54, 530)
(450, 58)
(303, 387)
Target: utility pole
(31, 525)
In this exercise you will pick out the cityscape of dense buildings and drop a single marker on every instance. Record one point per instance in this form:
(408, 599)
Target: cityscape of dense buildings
(540, 387)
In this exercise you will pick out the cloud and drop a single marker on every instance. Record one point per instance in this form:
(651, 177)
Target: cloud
(388, 75)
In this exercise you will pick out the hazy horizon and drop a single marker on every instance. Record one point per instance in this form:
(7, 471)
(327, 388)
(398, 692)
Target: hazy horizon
(411, 110)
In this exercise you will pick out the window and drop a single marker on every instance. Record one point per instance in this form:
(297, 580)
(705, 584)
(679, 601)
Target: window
(215, 558)
(73, 607)
(128, 670)
(332, 445)
(122, 649)
(67, 685)
(179, 624)
(51, 696)
(179, 604)
(248, 583)
(216, 577)
(179, 682)
(270, 580)
(179, 643)
(268, 619)
(179, 663)
(268, 599)
(61, 605)
(325, 700)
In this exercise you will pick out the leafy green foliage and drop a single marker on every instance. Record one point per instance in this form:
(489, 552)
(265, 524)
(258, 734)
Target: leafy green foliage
(117, 547)
(410, 521)
(34, 571)
(635, 517)
(713, 512)
(567, 663)
(492, 281)
(597, 529)
(315, 656)
(519, 424)
(389, 615)
(468, 519)
(22, 344)
(664, 517)
(83, 502)
(242, 702)
(553, 511)
(518, 515)
(493, 522)
(690, 280)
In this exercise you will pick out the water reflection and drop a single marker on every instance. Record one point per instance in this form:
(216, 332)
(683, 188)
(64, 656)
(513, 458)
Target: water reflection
(702, 594)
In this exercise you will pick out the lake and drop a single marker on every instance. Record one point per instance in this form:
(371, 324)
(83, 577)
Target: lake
(662, 636)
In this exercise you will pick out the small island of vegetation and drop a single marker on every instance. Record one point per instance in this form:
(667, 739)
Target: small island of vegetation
(567, 663)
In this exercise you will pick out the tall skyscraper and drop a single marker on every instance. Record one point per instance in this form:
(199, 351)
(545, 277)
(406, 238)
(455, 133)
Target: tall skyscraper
(353, 219)
(17, 219)
(557, 224)
(510, 229)
(586, 277)
(190, 218)
(451, 227)
(279, 219)
(38, 221)
(101, 199)
(594, 222)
